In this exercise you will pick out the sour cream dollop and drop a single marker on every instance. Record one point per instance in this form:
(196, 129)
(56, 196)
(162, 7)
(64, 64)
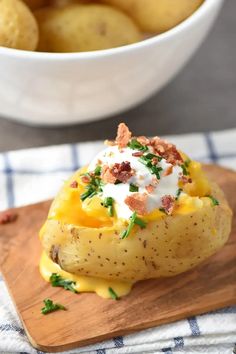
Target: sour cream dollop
(166, 185)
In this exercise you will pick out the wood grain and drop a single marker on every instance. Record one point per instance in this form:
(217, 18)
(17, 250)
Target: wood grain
(90, 318)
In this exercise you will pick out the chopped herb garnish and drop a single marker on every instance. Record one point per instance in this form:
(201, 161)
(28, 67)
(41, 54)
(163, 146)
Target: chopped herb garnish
(98, 170)
(179, 191)
(51, 307)
(147, 160)
(93, 187)
(185, 171)
(57, 280)
(150, 156)
(214, 200)
(133, 220)
(133, 188)
(113, 294)
(108, 203)
(185, 166)
(140, 222)
(187, 162)
(88, 194)
(163, 210)
(135, 145)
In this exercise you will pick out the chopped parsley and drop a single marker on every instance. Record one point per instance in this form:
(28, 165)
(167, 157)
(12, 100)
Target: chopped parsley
(94, 186)
(133, 188)
(135, 145)
(57, 281)
(150, 156)
(163, 210)
(185, 167)
(98, 170)
(153, 168)
(51, 307)
(133, 220)
(108, 203)
(179, 191)
(113, 294)
(140, 223)
(214, 200)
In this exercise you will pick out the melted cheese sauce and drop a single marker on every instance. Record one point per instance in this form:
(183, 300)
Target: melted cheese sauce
(69, 209)
(83, 283)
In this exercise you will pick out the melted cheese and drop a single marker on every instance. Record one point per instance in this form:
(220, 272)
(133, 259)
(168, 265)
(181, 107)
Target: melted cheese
(69, 209)
(84, 283)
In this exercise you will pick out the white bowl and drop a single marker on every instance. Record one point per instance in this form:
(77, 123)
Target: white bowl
(58, 89)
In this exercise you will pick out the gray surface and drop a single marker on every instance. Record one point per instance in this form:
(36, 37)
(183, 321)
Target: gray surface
(201, 98)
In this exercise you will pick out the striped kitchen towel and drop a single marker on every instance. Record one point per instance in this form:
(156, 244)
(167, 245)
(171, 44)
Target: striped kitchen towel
(28, 176)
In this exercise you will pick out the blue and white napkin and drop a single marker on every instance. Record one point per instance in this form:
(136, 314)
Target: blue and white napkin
(29, 176)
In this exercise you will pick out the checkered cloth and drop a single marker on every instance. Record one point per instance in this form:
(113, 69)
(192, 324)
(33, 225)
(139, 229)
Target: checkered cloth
(29, 176)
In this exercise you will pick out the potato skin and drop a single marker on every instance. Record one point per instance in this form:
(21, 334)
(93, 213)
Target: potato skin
(166, 247)
(157, 15)
(35, 4)
(79, 28)
(61, 3)
(18, 27)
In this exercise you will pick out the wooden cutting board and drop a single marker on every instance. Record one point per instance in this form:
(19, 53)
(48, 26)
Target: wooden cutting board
(89, 318)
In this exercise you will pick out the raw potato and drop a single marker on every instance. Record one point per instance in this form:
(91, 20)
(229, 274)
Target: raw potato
(79, 28)
(166, 247)
(18, 27)
(35, 4)
(157, 15)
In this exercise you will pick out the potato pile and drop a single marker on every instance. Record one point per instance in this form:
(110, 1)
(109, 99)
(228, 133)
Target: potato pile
(63, 26)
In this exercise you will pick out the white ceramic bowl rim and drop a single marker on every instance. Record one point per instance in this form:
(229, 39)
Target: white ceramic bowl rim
(118, 50)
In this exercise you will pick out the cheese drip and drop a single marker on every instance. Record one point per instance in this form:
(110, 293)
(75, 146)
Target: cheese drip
(84, 283)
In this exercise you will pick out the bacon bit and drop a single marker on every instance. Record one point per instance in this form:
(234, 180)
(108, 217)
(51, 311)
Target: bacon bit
(150, 188)
(168, 203)
(122, 171)
(109, 142)
(74, 184)
(166, 150)
(107, 176)
(155, 181)
(7, 217)
(155, 161)
(143, 140)
(185, 179)
(84, 179)
(137, 202)
(137, 153)
(168, 171)
(123, 135)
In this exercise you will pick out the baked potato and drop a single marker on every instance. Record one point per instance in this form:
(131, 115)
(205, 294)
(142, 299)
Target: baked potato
(18, 27)
(79, 28)
(61, 3)
(140, 210)
(157, 15)
(36, 4)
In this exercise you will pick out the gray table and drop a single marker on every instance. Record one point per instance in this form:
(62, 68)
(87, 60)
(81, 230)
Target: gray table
(201, 98)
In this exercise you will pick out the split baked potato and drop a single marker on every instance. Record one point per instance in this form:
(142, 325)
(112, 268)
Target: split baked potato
(84, 238)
